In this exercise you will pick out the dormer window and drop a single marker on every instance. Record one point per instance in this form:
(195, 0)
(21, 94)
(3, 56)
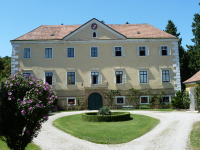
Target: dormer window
(94, 34)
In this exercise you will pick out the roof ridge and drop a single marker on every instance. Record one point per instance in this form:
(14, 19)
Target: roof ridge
(28, 32)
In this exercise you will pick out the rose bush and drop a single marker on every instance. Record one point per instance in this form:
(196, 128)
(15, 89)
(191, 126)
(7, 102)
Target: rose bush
(25, 103)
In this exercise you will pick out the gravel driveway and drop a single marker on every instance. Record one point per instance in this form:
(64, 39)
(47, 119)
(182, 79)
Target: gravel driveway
(172, 133)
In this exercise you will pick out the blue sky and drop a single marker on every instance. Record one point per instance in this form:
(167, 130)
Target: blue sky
(21, 16)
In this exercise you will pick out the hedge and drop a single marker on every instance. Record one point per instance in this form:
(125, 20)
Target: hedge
(115, 116)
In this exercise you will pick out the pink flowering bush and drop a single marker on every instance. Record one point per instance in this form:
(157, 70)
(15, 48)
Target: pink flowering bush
(25, 103)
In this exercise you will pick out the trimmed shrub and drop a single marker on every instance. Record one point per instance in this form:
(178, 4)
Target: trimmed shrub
(25, 105)
(104, 111)
(177, 101)
(144, 106)
(115, 116)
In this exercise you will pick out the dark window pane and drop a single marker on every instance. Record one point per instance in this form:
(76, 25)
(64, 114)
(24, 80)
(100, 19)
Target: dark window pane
(144, 99)
(120, 100)
(142, 53)
(118, 53)
(94, 34)
(164, 52)
(71, 101)
(70, 78)
(166, 99)
(118, 79)
(49, 80)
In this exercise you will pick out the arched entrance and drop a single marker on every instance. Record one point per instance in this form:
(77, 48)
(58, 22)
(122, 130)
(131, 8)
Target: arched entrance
(95, 101)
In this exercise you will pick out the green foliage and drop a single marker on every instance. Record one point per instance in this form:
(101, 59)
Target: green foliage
(144, 106)
(155, 97)
(195, 136)
(25, 103)
(104, 111)
(134, 95)
(177, 101)
(5, 65)
(115, 116)
(109, 96)
(197, 95)
(186, 100)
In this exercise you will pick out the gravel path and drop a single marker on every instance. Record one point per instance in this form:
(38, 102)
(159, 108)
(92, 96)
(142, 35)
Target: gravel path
(172, 133)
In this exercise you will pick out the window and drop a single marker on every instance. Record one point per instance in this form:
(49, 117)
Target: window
(71, 101)
(48, 53)
(120, 77)
(49, 77)
(143, 51)
(94, 34)
(118, 51)
(144, 99)
(166, 99)
(94, 52)
(120, 100)
(94, 77)
(70, 52)
(165, 76)
(27, 53)
(164, 50)
(143, 76)
(71, 78)
(27, 74)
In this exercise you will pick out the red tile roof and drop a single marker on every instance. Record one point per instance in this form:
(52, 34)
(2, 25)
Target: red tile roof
(194, 78)
(60, 31)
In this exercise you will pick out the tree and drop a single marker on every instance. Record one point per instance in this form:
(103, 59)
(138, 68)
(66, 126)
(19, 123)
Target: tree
(194, 50)
(183, 55)
(25, 103)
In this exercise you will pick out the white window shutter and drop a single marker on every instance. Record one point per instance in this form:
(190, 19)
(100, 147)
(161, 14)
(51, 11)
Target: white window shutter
(100, 79)
(147, 50)
(123, 51)
(160, 50)
(53, 80)
(124, 78)
(138, 49)
(43, 78)
(169, 49)
(113, 51)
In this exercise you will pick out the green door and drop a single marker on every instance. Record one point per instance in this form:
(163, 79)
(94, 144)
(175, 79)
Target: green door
(95, 101)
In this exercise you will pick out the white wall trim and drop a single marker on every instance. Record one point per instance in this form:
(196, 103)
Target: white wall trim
(71, 98)
(177, 82)
(120, 97)
(13, 58)
(144, 96)
(98, 41)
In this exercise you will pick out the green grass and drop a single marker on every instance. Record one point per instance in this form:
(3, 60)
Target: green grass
(106, 132)
(195, 136)
(30, 146)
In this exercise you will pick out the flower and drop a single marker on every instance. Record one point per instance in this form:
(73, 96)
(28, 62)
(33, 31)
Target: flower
(39, 92)
(30, 101)
(23, 102)
(38, 78)
(24, 98)
(17, 83)
(56, 97)
(44, 88)
(42, 105)
(27, 131)
(30, 82)
(19, 69)
(25, 75)
(36, 90)
(23, 112)
(11, 84)
(31, 108)
(46, 116)
(13, 97)
(38, 105)
(9, 98)
(9, 93)
(52, 96)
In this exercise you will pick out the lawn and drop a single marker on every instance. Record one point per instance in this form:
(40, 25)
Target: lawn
(31, 146)
(106, 132)
(195, 136)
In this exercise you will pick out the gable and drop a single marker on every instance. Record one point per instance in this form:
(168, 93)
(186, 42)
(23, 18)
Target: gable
(103, 32)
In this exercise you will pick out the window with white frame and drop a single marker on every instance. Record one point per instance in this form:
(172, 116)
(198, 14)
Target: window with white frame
(48, 53)
(70, 52)
(144, 99)
(94, 52)
(71, 101)
(120, 100)
(142, 51)
(118, 51)
(71, 78)
(166, 99)
(49, 77)
(120, 77)
(164, 51)
(28, 74)
(165, 76)
(27, 53)
(143, 76)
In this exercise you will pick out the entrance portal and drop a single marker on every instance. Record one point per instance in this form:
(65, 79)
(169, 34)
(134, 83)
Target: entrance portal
(95, 101)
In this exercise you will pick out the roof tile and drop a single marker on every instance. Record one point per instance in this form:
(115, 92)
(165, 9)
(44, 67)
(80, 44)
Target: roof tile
(194, 78)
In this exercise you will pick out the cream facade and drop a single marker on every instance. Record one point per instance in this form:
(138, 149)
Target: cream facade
(103, 62)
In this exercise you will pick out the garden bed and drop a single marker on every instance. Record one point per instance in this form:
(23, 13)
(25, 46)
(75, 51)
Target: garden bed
(115, 116)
